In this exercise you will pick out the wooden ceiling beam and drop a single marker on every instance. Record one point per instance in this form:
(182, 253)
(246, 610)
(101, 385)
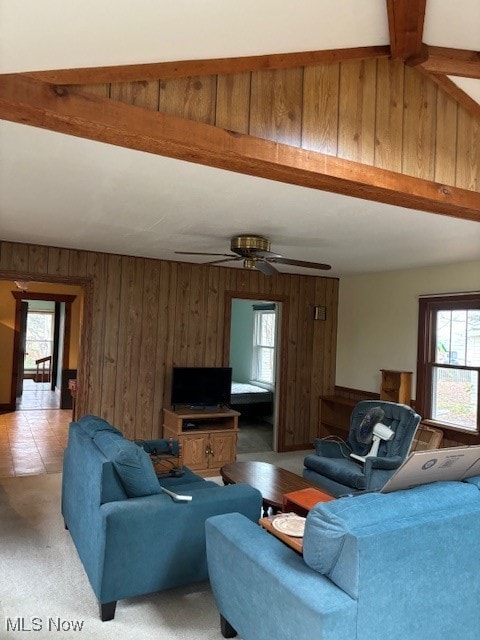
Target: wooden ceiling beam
(32, 102)
(452, 62)
(405, 24)
(186, 68)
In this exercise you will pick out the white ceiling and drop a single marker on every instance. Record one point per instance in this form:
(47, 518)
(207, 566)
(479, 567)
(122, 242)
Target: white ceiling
(102, 32)
(65, 191)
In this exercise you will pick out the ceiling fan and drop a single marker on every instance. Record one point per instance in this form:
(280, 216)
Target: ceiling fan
(255, 253)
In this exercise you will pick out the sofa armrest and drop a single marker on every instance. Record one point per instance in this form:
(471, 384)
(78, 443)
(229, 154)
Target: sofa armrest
(265, 590)
(382, 463)
(162, 445)
(379, 470)
(154, 543)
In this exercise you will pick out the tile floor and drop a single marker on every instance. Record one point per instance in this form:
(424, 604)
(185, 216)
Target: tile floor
(38, 395)
(32, 441)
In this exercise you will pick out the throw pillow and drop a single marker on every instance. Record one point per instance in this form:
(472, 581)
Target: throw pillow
(132, 464)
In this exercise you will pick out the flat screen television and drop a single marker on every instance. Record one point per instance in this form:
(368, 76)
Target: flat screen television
(201, 387)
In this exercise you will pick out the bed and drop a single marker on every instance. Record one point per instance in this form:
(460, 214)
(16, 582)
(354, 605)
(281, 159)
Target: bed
(251, 399)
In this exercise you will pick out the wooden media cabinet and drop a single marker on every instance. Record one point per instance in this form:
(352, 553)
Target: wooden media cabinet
(208, 438)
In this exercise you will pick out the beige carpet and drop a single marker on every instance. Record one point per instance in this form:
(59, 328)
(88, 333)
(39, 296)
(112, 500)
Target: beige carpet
(254, 437)
(43, 586)
(44, 589)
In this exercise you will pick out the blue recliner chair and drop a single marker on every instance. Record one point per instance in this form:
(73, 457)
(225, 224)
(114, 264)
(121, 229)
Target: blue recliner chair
(332, 466)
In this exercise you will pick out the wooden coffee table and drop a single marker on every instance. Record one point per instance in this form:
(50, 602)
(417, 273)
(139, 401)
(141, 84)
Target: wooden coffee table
(271, 481)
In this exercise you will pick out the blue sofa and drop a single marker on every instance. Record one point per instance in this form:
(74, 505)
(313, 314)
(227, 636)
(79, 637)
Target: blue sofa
(132, 538)
(402, 566)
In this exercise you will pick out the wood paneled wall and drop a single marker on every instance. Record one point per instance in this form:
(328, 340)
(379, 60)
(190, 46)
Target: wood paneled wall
(142, 316)
(378, 112)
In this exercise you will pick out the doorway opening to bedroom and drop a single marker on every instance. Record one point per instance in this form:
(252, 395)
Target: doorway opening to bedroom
(254, 358)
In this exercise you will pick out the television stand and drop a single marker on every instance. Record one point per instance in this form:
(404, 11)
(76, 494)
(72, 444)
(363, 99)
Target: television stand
(208, 438)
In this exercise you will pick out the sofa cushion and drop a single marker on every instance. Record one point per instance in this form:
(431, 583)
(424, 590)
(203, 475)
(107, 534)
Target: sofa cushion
(92, 425)
(187, 477)
(329, 524)
(131, 462)
(342, 470)
(191, 487)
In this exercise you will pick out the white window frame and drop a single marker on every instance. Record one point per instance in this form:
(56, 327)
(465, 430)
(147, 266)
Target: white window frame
(50, 341)
(429, 364)
(259, 348)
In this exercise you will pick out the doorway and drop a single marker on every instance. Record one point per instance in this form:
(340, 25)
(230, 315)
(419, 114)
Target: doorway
(46, 335)
(40, 340)
(254, 355)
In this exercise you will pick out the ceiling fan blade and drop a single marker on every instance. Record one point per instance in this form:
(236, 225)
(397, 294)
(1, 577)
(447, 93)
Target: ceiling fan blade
(255, 253)
(265, 254)
(224, 260)
(302, 263)
(201, 253)
(265, 267)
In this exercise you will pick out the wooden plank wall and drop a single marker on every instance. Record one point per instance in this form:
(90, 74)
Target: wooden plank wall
(142, 316)
(378, 112)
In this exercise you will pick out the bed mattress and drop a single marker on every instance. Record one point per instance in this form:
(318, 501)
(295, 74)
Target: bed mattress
(245, 393)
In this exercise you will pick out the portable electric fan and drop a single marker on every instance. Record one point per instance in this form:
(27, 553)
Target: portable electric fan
(371, 431)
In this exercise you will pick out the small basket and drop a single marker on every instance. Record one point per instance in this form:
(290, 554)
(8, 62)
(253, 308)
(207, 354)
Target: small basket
(427, 438)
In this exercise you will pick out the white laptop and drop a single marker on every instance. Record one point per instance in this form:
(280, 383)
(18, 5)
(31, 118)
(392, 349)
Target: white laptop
(421, 467)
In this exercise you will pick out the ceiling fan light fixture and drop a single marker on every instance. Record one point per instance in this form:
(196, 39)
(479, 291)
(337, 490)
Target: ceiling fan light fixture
(240, 244)
(254, 252)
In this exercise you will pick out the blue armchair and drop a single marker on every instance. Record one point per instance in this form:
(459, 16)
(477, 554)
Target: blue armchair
(332, 466)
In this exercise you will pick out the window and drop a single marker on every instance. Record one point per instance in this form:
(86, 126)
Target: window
(263, 366)
(39, 342)
(449, 361)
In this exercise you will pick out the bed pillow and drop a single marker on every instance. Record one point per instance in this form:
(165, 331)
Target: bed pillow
(131, 462)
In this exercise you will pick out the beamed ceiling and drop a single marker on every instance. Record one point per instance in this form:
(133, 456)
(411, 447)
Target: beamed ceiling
(362, 151)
